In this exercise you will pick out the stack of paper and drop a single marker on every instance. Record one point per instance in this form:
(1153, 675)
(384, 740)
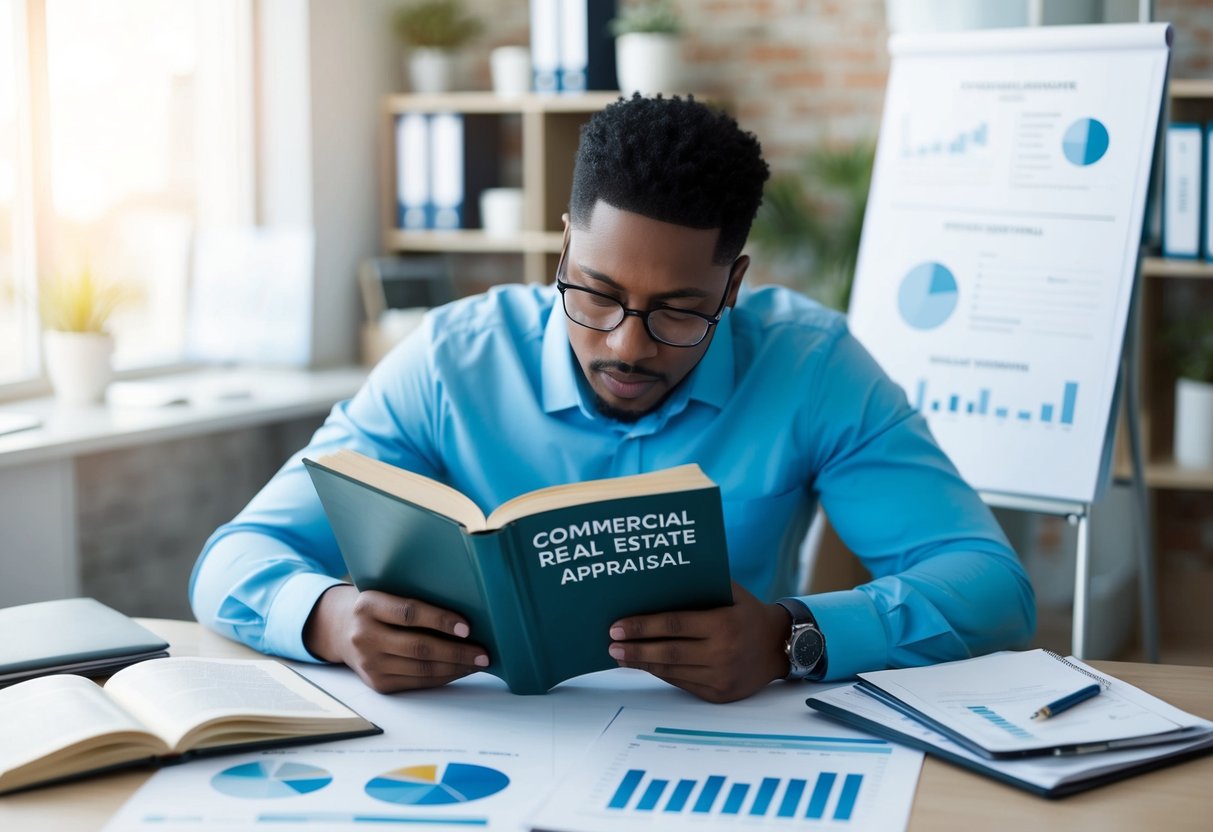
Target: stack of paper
(976, 713)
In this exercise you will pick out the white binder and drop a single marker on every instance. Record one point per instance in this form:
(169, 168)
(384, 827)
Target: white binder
(545, 44)
(1182, 191)
(412, 171)
(446, 157)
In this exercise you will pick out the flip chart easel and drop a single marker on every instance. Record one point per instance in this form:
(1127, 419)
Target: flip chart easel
(1001, 255)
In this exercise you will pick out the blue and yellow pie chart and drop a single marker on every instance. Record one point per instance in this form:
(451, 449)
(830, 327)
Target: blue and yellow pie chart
(436, 785)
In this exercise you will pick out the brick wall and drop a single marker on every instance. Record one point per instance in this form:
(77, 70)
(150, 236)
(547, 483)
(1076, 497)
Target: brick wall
(1192, 49)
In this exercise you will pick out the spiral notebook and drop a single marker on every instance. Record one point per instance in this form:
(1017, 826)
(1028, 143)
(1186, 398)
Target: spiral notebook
(985, 705)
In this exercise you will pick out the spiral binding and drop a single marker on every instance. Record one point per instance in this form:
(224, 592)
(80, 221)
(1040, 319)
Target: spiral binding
(1089, 674)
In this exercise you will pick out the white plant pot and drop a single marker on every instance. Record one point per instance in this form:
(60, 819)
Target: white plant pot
(431, 70)
(1193, 424)
(78, 364)
(648, 63)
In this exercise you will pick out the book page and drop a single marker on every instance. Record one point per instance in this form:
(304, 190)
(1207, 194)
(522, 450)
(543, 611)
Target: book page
(51, 713)
(407, 485)
(175, 695)
(680, 478)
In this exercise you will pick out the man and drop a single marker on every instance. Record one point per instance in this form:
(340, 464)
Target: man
(643, 355)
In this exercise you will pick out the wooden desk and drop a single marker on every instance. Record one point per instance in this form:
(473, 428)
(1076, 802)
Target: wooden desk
(948, 798)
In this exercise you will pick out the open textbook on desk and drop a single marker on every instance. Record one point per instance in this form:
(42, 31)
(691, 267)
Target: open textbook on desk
(161, 711)
(976, 713)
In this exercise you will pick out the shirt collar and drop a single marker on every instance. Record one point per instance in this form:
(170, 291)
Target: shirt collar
(711, 382)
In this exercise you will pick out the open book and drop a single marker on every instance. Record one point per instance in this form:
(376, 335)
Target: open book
(160, 711)
(542, 577)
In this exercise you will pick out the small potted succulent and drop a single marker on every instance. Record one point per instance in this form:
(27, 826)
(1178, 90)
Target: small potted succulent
(77, 344)
(433, 30)
(648, 48)
(1191, 345)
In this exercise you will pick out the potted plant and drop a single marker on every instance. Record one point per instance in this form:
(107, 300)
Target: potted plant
(77, 345)
(1191, 345)
(810, 221)
(647, 48)
(433, 30)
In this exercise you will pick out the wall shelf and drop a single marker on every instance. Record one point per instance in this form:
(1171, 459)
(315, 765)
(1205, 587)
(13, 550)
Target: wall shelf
(550, 131)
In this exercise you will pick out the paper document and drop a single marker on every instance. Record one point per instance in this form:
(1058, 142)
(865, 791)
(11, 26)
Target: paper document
(1051, 776)
(989, 701)
(672, 770)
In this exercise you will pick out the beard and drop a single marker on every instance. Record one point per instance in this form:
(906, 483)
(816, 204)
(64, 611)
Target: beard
(620, 414)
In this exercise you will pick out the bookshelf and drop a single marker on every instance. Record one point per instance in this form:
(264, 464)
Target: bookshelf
(1171, 287)
(550, 129)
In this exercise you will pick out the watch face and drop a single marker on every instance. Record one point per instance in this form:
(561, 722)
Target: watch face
(806, 650)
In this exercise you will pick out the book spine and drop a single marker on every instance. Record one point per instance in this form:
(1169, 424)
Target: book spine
(515, 627)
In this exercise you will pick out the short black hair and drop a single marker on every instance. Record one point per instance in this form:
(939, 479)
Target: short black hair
(675, 160)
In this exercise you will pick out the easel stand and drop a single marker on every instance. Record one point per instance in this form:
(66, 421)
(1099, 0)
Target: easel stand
(1079, 515)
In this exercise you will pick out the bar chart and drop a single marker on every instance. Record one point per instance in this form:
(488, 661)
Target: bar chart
(985, 404)
(667, 775)
(791, 793)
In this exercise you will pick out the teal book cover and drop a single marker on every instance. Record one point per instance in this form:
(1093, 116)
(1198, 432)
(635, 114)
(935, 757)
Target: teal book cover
(544, 576)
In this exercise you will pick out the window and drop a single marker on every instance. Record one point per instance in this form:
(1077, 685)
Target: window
(18, 328)
(147, 107)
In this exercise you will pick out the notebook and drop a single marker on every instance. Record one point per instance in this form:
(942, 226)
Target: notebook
(985, 705)
(73, 635)
(1051, 776)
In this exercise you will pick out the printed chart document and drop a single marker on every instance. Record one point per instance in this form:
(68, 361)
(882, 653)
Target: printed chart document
(467, 754)
(986, 703)
(1000, 244)
(1050, 776)
(671, 770)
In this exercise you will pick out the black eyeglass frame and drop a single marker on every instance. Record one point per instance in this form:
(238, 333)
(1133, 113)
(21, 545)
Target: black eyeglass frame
(563, 286)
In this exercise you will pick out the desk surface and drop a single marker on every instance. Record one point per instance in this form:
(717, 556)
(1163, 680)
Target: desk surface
(948, 798)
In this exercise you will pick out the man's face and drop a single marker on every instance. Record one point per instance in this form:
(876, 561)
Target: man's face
(643, 263)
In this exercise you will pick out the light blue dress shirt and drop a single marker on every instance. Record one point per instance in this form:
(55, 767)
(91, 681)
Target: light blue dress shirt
(784, 410)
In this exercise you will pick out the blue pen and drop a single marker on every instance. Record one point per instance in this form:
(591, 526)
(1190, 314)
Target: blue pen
(1067, 702)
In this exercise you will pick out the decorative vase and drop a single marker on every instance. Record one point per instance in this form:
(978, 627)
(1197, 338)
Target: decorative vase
(1193, 424)
(648, 63)
(431, 70)
(78, 364)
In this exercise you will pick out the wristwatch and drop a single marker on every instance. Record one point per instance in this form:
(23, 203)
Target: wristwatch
(806, 646)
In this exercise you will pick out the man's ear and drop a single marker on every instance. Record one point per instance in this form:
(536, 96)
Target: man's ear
(740, 265)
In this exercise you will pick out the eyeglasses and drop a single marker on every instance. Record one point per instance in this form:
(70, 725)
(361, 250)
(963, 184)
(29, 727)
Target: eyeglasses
(666, 324)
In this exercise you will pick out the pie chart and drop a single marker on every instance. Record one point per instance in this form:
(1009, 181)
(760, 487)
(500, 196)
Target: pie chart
(271, 778)
(1085, 142)
(927, 296)
(433, 785)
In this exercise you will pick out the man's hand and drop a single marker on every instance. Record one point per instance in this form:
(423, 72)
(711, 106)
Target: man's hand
(720, 655)
(392, 643)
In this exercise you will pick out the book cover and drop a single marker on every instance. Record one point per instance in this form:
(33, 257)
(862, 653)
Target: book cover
(541, 591)
(71, 635)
